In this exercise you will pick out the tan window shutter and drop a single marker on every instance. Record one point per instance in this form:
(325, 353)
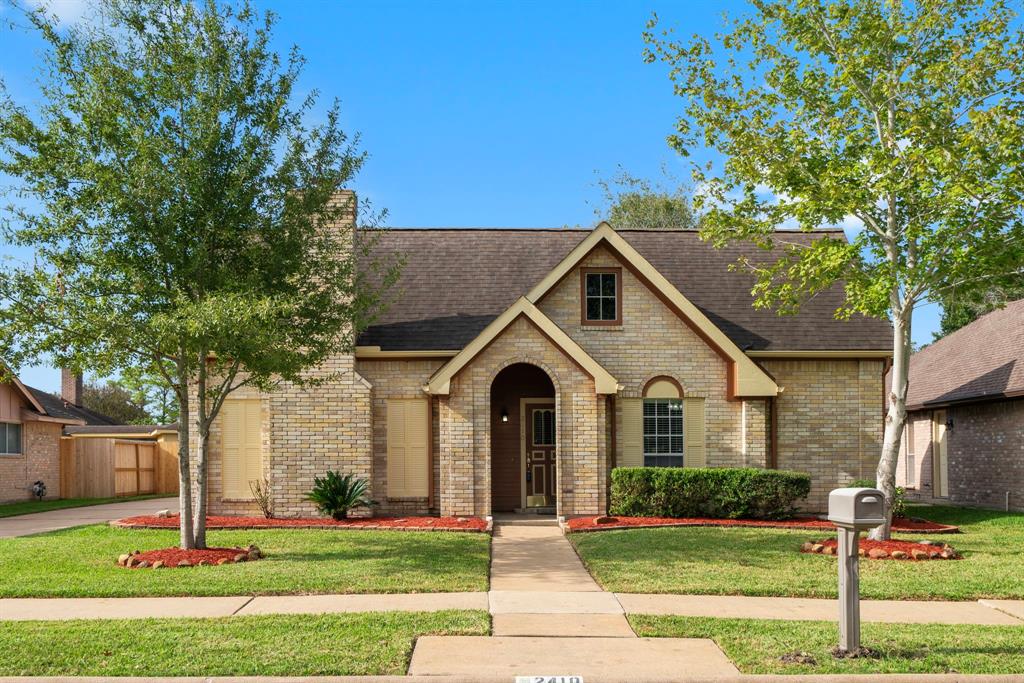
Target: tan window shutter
(632, 433)
(408, 438)
(241, 447)
(693, 428)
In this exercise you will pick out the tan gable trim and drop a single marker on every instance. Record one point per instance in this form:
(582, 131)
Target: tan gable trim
(820, 354)
(29, 416)
(746, 378)
(23, 390)
(375, 353)
(604, 383)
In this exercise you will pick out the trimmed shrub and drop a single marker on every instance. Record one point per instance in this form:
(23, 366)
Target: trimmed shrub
(716, 492)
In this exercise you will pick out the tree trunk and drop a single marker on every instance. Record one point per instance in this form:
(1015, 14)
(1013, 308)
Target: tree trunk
(200, 516)
(203, 434)
(184, 469)
(895, 420)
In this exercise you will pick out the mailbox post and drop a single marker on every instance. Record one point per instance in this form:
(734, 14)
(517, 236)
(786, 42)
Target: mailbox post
(852, 511)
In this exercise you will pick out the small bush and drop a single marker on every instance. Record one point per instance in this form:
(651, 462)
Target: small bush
(261, 494)
(335, 494)
(717, 492)
(899, 503)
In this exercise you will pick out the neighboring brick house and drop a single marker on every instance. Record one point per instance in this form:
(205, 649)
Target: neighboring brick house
(31, 425)
(516, 368)
(964, 440)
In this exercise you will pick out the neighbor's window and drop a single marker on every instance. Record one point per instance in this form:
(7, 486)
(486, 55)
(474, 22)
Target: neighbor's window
(601, 297)
(10, 438)
(663, 432)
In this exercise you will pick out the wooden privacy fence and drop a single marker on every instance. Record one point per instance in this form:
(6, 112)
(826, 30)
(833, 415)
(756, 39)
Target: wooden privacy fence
(134, 468)
(106, 467)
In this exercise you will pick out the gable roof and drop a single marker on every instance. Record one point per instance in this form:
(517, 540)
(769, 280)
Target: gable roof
(26, 392)
(746, 378)
(55, 406)
(980, 361)
(604, 383)
(456, 281)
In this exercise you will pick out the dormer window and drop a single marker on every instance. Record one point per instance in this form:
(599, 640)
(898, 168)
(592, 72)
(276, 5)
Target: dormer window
(601, 295)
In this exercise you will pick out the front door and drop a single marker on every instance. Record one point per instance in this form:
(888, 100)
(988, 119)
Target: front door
(540, 455)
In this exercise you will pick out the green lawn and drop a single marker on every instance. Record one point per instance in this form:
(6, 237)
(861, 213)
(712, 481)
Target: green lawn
(755, 645)
(283, 645)
(705, 560)
(29, 506)
(81, 562)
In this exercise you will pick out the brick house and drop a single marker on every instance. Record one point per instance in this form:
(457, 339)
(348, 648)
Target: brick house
(32, 423)
(516, 368)
(964, 440)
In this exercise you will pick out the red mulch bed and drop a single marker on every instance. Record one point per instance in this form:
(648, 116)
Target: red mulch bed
(919, 526)
(887, 550)
(172, 557)
(474, 524)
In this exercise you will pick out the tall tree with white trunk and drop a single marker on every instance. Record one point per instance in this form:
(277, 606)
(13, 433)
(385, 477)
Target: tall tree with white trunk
(903, 119)
(187, 221)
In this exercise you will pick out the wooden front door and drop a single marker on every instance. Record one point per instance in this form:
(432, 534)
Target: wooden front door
(540, 454)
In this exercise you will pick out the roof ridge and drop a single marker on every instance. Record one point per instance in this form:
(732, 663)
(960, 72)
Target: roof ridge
(401, 228)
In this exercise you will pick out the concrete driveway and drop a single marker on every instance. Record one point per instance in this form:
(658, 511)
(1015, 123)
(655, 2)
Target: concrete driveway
(38, 522)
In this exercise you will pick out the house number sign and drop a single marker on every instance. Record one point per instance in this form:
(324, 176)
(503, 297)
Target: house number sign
(549, 679)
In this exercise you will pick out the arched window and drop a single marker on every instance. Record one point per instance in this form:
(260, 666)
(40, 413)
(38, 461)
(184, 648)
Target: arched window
(663, 430)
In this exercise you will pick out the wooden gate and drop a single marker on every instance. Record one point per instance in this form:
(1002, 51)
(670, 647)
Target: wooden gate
(134, 468)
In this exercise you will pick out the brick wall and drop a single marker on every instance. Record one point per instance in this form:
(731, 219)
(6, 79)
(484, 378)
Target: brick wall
(581, 459)
(915, 474)
(985, 452)
(830, 421)
(39, 460)
(306, 431)
(652, 341)
(398, 379)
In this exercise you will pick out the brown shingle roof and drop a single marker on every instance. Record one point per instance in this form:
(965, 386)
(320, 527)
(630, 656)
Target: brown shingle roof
(455, 281)
(61, 409)
(983, 360)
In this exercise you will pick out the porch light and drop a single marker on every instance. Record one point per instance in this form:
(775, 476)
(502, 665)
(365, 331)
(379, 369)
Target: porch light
(504, 414)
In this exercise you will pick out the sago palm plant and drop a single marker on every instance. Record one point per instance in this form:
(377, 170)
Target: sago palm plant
(335, 494)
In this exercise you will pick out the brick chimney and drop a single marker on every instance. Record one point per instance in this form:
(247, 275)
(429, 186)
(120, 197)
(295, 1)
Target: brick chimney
(349, 203)
(71, 386)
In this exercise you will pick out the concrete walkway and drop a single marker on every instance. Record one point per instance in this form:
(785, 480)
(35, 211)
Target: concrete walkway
(550, 617)
(39, 522)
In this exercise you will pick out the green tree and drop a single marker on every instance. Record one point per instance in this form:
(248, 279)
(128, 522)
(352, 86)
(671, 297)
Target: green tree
(189, 221)
(152, 391)
(962, 306)
(903, 116)
(114, 401)
(633, 203)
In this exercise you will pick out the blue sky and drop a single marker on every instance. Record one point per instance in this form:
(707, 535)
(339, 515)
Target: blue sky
(477, 113)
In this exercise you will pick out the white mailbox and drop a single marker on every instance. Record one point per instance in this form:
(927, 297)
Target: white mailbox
(852, 510)
(858, 508)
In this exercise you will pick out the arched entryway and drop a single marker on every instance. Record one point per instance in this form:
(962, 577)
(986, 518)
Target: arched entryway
(523, 443)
